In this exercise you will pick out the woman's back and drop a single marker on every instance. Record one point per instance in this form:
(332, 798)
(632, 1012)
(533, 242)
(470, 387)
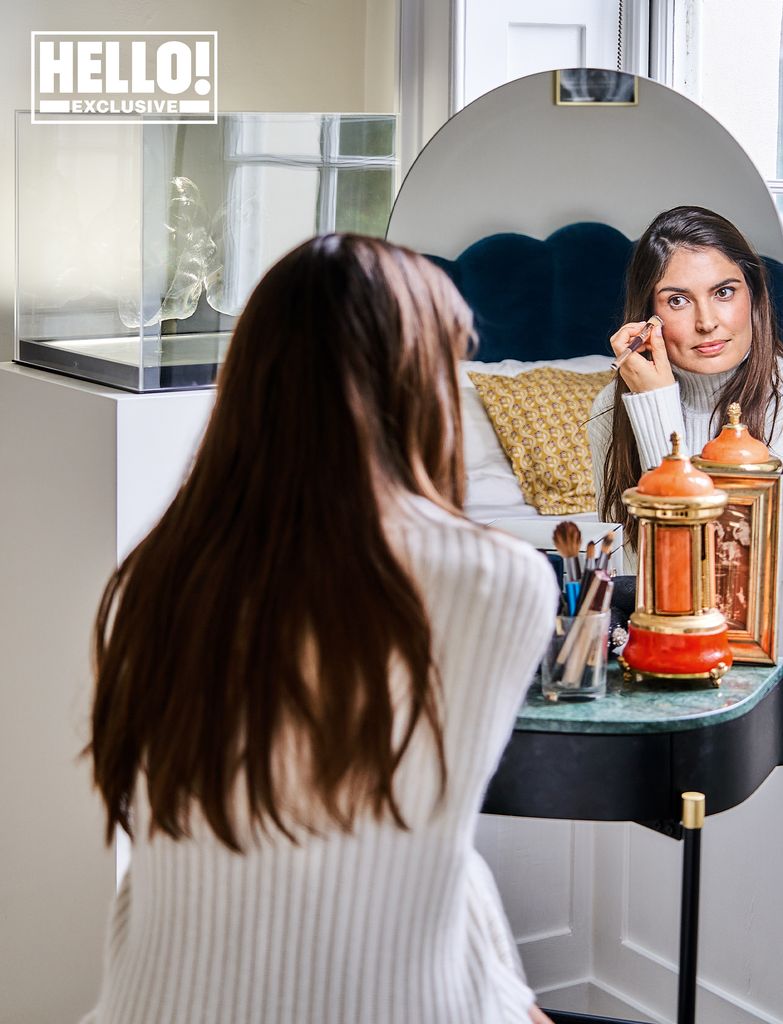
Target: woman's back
(384, 924)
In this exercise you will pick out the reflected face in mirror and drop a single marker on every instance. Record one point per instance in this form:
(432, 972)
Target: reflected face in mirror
(705, 306)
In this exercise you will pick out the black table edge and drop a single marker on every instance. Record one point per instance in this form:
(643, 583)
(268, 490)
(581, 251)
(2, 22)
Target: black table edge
(638, 776)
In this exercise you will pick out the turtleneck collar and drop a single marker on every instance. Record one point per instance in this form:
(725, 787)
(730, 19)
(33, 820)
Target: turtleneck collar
(700, 390)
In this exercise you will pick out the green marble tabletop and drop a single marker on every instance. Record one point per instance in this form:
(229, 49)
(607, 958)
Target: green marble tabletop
(650, 706)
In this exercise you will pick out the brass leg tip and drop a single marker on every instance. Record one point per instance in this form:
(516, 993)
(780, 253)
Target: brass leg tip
(717, 673)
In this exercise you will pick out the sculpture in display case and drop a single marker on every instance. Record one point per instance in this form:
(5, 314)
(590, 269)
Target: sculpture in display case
(138, 244)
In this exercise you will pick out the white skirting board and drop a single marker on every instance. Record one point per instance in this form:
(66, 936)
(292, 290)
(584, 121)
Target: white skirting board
(589, 997)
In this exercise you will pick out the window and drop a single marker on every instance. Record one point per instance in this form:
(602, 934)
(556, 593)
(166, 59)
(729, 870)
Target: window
(452, 51)
(726, 56)
(364, 169)
(314, 173)
(723, 54)
(506, 39)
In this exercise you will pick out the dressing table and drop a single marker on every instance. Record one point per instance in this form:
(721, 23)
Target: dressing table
(631, 756)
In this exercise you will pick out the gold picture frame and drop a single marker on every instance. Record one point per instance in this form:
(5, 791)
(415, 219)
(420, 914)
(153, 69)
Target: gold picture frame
(746, 564)
(595, 87)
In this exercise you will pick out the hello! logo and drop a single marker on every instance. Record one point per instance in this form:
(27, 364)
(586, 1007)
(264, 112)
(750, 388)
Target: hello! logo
(114, 77)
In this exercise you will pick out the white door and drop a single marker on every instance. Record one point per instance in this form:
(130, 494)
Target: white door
(505, 39)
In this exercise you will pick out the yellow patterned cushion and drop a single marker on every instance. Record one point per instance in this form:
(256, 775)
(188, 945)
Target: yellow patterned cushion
(539, 418)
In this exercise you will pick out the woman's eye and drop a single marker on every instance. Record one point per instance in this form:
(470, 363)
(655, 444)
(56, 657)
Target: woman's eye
(677, 301)
(725, 292)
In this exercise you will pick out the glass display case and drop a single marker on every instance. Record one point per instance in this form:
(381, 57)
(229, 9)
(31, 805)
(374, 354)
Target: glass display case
(138, 245)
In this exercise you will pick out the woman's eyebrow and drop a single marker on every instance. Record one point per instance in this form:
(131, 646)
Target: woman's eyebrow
(714, 288)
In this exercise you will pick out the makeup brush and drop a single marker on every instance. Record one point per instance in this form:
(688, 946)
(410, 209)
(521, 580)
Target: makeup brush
(587, 597)
(600, 639)
(595, 566)
(567, 538)
(638, 340)
(574, 670)
(606, 550)
(581, 644)
(583, 628)
(591, 590)
(581, 647)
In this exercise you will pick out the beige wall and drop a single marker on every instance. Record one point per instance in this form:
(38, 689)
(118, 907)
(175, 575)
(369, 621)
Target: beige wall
(381, 55)
(296, 55)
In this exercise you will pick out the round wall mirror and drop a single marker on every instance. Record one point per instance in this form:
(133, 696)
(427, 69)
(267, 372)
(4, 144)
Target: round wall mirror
(516, 160)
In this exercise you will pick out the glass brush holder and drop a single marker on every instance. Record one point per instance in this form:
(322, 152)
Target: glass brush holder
(574, 663)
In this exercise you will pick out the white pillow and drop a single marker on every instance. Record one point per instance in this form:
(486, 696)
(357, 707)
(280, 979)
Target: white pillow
(491, 480)
(511, 367)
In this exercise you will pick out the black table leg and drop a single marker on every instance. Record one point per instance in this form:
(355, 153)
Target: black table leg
(692, 822)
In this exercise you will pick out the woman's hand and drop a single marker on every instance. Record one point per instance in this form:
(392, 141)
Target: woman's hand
(638, 372)
(538, 1016)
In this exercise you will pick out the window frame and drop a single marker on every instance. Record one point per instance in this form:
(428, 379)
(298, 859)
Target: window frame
(329, 162)
(431, 61)
(431, 64)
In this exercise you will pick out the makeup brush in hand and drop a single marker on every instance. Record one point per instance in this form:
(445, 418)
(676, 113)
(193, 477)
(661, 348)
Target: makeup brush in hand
(639, 340)
(568, 539)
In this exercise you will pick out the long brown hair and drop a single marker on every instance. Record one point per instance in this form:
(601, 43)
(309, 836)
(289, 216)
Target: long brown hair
(756, 382)
(339, 392)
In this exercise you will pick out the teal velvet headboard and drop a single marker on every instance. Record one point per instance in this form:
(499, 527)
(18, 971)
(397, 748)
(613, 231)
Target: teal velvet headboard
(551, 299)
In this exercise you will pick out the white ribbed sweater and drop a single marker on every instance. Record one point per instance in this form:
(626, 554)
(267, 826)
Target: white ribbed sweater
(383, 926)
(685, 406)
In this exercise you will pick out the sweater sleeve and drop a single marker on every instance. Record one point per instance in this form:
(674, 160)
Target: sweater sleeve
(654, 416)
(500, 614)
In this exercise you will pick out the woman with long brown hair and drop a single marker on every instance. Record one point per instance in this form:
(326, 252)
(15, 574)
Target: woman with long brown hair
(718, 345)
(307, 673)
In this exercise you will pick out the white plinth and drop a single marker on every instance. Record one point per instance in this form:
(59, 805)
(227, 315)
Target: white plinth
(84, 472)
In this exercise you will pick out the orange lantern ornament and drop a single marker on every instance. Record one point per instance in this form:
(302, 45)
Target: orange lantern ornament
(735, 446)
(746, 548)
(676, 631)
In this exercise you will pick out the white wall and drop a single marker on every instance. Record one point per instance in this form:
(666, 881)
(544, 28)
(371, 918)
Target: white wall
(293, 55)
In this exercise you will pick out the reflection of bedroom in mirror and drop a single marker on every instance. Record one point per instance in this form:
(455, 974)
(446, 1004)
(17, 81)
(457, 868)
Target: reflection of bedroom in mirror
(535, 209)
(539, 206)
